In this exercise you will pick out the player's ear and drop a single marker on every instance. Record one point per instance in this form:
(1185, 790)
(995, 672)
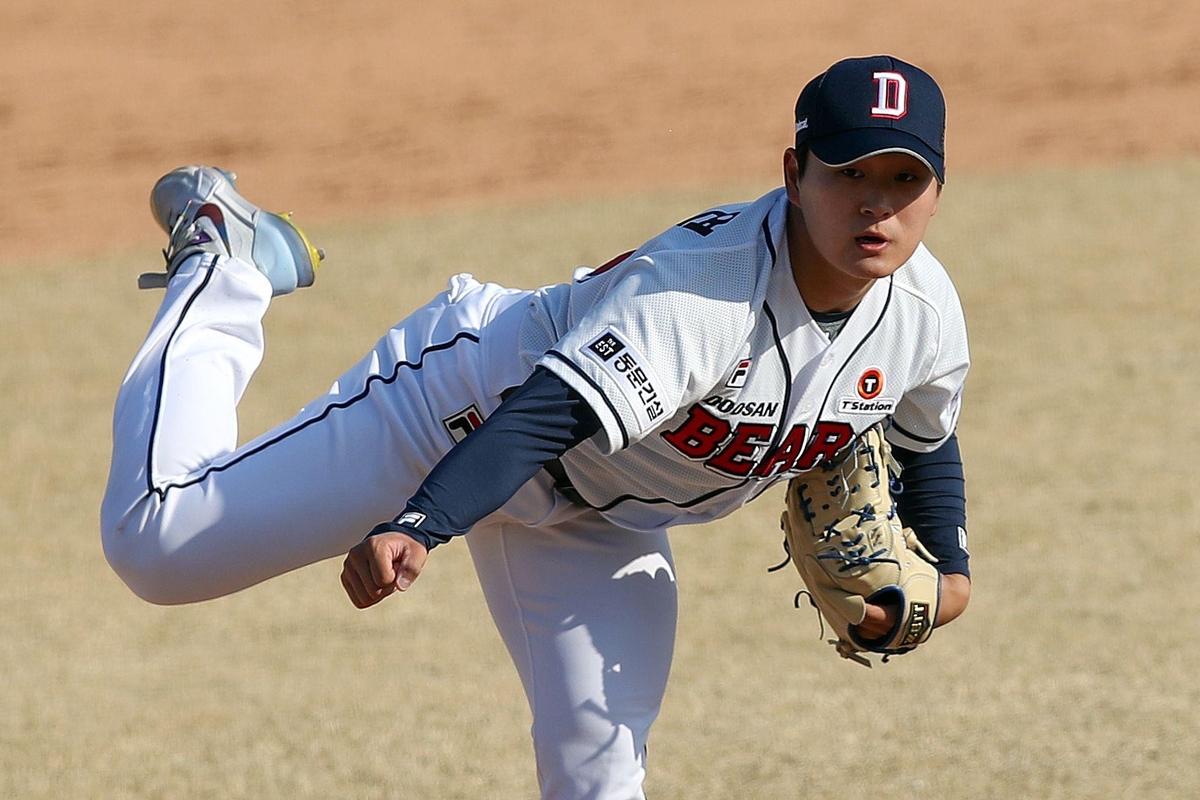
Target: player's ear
(791, 175)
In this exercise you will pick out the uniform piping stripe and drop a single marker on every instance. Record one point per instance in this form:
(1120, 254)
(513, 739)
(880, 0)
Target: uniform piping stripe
(787, 395)
(371, 381)
(162, 375)
(770, 244)
(658, 501)
(846, 361)
(599, 391)
(913, 436)
(787, 371)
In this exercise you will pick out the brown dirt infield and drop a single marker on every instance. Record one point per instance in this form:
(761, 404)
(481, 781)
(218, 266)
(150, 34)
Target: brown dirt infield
(344, 110)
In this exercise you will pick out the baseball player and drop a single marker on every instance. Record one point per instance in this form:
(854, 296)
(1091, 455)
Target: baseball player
(564, 430)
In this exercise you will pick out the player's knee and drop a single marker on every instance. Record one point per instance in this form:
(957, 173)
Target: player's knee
(141, 562)
(146, 577)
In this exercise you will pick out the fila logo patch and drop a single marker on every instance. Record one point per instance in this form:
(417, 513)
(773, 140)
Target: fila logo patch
(892, 101)
(738, 379)
(630, 371)
(460, 424)
(413, 519)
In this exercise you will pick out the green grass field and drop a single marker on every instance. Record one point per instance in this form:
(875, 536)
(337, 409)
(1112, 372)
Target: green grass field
(1072, 675)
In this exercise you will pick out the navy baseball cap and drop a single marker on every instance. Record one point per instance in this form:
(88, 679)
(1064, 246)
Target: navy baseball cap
(862, 107)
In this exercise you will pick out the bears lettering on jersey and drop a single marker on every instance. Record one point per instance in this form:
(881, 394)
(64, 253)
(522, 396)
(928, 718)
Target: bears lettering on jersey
(744, 449)
(736, 457)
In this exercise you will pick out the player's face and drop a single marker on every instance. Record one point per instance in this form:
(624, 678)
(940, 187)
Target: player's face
(852, 225)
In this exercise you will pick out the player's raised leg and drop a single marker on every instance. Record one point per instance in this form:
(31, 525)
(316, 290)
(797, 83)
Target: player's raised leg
(187, 514)
(588, 612)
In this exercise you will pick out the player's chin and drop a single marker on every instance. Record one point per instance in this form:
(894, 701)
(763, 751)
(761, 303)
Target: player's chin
(873, 266)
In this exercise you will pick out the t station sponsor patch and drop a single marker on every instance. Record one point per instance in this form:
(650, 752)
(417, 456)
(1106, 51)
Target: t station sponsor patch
(868, 397)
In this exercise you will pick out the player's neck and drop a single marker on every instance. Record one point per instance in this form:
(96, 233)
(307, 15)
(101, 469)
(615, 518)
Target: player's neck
(821, 285)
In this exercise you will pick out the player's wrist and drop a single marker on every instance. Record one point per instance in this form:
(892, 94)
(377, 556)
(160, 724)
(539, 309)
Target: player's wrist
(955, 594)
(420, 537)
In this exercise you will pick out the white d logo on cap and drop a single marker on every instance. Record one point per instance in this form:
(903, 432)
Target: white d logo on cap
(893, 95)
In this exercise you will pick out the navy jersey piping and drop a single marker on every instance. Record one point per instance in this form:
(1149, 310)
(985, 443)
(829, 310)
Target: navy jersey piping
(787, 370)
(913, 436)
(787, 367)
(787, 396)
(767, 238)
(371, 381)
(846, 362)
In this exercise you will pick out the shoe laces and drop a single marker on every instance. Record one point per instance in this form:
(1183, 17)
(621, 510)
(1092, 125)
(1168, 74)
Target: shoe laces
(173, 248)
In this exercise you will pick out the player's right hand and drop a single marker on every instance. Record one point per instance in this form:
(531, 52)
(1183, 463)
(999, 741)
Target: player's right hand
(380, 565)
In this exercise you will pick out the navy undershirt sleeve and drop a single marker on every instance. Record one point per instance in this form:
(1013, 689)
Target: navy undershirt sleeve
(540, 421)
(932, 501)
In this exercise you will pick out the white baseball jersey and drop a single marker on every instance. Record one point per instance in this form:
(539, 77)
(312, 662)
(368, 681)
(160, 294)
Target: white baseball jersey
(712, 380)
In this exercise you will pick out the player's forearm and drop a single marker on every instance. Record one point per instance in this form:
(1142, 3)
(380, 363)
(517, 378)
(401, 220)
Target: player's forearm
(933, 503)
(541, 420)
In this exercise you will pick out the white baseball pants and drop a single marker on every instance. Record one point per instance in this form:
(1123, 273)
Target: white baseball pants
(586, 609)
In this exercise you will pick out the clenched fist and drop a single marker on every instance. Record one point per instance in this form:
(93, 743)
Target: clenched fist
(380, 565)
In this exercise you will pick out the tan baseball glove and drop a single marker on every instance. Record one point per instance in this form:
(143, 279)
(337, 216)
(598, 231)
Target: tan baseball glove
(844, 537)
